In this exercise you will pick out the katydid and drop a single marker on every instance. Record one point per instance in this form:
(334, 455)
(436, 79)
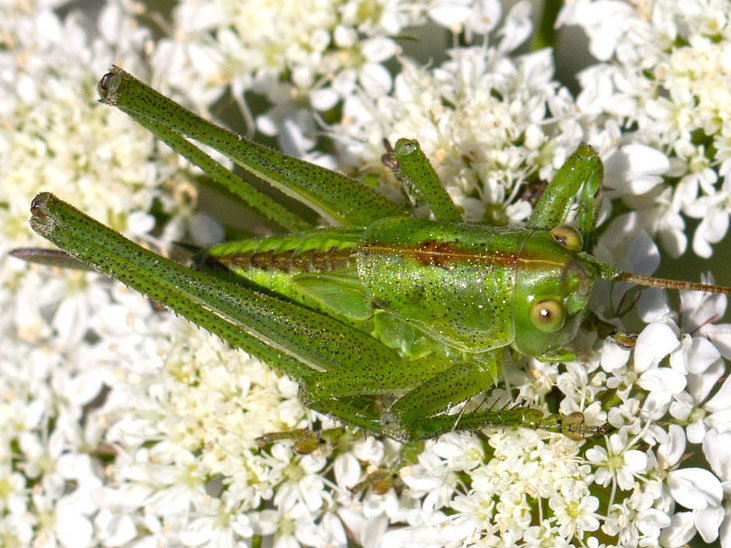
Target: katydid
(386, 320)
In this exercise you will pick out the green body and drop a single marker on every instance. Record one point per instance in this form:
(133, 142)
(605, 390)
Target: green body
(468, 286)
(387, 321)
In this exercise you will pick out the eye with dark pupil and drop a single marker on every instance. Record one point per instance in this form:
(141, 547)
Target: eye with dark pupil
(547, 315)
(568, 237)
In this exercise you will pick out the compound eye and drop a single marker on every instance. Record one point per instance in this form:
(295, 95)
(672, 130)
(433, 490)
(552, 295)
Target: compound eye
(568, 237)
(547, 315)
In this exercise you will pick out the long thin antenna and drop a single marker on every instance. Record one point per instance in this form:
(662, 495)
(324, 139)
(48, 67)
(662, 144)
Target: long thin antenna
(650, 281)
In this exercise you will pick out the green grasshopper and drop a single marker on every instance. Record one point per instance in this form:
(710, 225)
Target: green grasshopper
(386, 320)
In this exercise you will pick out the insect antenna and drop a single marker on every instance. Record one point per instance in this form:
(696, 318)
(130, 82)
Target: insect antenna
(651, 281)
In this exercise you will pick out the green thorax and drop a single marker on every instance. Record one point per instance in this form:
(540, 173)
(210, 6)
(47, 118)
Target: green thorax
(453, 280)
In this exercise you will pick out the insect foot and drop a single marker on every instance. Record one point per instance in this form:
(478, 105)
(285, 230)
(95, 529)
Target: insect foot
(306, 441)
(380, 482)
(572, 426)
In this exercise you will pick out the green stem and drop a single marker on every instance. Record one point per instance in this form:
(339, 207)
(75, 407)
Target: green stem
(545, 35)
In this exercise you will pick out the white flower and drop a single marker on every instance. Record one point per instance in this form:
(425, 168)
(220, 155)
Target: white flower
(605, 22)
(114, 529)
(478, 17)
(316, 50)
(49, 67)
(715, 446)
(700, 310)
(617, 463)
(219, 528)
(432, 477)
(634, 521)
(302, 482)
(634, 169)
(692, 406)
(461, 451)
(696, 489)
(714, 211)
(576, 514)
(289, 528)
(684, 525)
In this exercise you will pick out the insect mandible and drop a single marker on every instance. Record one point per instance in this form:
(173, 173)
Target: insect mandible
(386, 320)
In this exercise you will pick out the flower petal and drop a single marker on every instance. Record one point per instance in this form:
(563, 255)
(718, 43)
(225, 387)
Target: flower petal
(695, 488)
(655, 342)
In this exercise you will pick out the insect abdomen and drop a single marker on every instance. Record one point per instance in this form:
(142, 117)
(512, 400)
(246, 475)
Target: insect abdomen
(273, 262)
(321, 250)
(289, 261)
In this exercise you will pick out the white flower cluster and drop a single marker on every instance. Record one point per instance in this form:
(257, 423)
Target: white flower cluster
(675, 373)
(664, 82)
(65, 332)
(299, 54)
(489, 122)
(125, 426)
